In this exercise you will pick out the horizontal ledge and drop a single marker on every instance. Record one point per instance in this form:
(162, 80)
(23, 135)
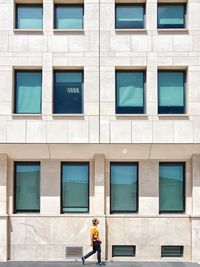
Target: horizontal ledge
(130, 30)
(28, 30)
(68, 115)
(173, 31)
(131, 115)
(173, 116)
(26, 115)
(68, 30)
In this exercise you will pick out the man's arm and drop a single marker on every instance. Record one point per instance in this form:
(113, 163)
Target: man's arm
(91, 239)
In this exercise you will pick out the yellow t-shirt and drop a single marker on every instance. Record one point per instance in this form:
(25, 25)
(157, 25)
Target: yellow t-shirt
(95, 233)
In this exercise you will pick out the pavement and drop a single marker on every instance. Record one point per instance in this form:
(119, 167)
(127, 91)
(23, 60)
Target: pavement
(92, 264)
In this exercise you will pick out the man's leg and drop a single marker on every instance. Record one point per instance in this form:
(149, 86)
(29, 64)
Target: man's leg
(98, 248)
(91, 252)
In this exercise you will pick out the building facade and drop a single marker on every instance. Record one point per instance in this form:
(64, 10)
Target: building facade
(100, 117)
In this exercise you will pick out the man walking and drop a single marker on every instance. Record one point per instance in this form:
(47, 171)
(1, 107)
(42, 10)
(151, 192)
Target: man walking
(95, 243)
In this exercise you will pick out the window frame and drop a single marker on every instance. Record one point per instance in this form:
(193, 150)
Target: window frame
(15, 210)
(28, 5)
(54, 89)
(168, 256)
(132, 246)
(131, 4)
(175, 108)
(75, 163)
(117, 109)
(137, 187)
(172, 4)
(183, 163)
(67, 5)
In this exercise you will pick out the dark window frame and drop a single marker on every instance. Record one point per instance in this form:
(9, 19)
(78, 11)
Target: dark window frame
(15, 89)
(131, 110)
(181, 250)
(183, 163)
(54, 89)
(17, 5)
(67, 5)
(168, 26)
(125, 255)
(173, 110)
(15, 210)
(126, 5)
(75, 163)
(137, 187)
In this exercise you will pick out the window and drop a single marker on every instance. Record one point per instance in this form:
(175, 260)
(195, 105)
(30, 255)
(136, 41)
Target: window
(27, 187)
(172, 187)
(28, 92)
(130, 92)
(171, 92)
(68, 16)
(171, 251)
(124, 187)
(29, 16)
(129, 16)
(75, 187)
(171, 16)
(68, 90)
(123, 251)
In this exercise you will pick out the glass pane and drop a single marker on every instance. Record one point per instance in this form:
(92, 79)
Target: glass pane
(171, 89)
(123, 251)
(28, 92)
(123, 187)
(27, 187)
(68, 17)
(171, 187)
(68, 92)
(171, 16)
(29, 17)
(75, 192)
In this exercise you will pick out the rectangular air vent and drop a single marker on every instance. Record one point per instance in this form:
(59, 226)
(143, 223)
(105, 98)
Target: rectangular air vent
(123, 251)
(73, 252)
(171, 251)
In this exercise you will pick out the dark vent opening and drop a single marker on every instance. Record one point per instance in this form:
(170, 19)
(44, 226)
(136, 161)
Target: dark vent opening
(73, 252)
(123, 251)
(171, 251)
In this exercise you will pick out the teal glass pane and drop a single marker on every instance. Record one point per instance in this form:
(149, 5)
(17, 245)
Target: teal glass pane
(171, 16)
(68, 17)
(171, 187)
(29, 17)
(123, 187)
(75, 194)
(171, 89)
(27, 187)
(28, 92)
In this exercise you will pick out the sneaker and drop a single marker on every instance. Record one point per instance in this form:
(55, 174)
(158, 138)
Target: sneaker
(100, 263)
(83, 260)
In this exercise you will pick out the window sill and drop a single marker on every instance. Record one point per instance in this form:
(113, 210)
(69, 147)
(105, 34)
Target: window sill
(68, 31)
(28, 30)
(173, 116)
(68, 116)
(171, 30)
(131, 116)
(25, 116)
(130, 30)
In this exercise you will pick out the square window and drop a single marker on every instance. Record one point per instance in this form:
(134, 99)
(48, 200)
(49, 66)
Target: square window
(171, 92)
(29, 16)
(27, 187)
(68, 16)
(123, 251)
(124, 187)
(172, 187)
(28, 92)
(171, 16)
(75, 187)
(130, 92)
(68, 92)
(129, 16)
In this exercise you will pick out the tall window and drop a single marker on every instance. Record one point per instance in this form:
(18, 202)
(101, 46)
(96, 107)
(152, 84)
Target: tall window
(172, 187)
(68, 16)
(124, 187)
(171, 92)
(75, 187)
(27, 187)
(130, 92)
(28, 91)
(68, 91)
(171, 15)
(29, 16)
(129, 16)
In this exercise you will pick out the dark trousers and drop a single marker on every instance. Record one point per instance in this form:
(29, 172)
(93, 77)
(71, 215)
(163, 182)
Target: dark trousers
(96, 248)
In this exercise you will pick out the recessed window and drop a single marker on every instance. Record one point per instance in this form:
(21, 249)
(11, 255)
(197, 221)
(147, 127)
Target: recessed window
(130, 92)
(172, 251)
(124, 187)
(172, 187)
(171, 16)
(171, 92)
(68, 92)
(28, 92)
(123, 251)
(129, 16)
(68, 16)
(29, 16)
(27, 187)
(75, 187)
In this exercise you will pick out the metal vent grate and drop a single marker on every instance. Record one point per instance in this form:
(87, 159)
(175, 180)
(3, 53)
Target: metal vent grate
(171, 251)
(73, 252)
